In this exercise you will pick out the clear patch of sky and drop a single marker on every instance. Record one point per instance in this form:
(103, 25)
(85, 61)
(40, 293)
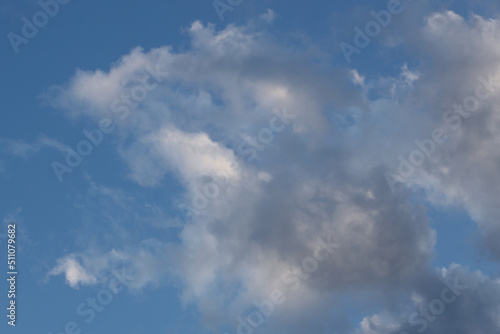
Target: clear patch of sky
(458, 238)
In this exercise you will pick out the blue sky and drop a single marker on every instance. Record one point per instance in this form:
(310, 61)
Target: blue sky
(220, 155)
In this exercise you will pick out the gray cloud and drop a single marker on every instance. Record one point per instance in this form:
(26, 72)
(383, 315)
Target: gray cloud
(323, 174)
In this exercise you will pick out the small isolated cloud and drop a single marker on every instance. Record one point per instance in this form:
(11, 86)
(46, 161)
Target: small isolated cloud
(75, 274)
(268, 16)
(145, 264)
(357, 79)
(409, 76)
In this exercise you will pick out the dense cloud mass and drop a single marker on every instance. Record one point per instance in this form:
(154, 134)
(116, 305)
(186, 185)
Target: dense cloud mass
(290, 177)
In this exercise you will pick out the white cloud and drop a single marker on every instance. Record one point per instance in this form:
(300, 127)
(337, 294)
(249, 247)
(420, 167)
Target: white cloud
(73, 271)
(315, 178)
(190, 155)
(357, 78)
(222, 91)
(409, 76)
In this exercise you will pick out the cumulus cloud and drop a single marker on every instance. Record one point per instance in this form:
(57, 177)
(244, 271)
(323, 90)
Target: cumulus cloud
(321, 174)
(463, 55)
(451, 299)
